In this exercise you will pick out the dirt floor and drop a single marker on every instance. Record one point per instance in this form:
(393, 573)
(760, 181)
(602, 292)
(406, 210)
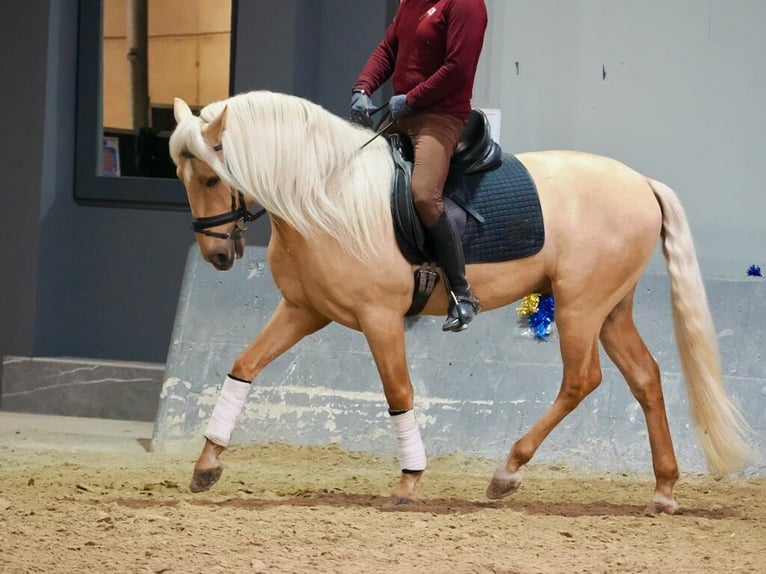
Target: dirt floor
(76, 506)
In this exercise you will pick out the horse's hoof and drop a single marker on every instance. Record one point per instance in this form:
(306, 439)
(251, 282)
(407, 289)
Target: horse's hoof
(661, 505)
(401, 502)
(202, 480)
(503, 484)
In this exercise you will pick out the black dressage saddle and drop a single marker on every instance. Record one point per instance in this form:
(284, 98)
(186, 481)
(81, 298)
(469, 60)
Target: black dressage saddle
(489, 195)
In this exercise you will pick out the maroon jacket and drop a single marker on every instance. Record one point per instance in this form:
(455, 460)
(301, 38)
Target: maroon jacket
(430, 51)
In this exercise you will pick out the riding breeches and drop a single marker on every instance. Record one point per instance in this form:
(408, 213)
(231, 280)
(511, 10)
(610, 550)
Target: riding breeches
(434, 138)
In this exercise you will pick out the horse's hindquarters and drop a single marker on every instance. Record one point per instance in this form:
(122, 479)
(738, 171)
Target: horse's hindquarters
(602, 221)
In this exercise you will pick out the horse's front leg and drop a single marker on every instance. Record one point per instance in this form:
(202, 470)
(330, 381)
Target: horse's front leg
(288, 325)
(385, 336)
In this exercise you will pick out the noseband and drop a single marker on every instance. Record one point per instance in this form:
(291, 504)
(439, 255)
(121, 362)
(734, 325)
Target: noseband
(238, 213)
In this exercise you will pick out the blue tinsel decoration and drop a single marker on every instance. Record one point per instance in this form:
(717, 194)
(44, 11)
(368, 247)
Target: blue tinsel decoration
(541, 320)
(754, 271)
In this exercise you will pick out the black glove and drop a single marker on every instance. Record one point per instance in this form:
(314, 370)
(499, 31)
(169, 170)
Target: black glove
(398, 107)
(360, 109)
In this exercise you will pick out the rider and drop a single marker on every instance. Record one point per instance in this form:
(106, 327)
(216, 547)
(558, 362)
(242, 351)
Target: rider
(430, 51)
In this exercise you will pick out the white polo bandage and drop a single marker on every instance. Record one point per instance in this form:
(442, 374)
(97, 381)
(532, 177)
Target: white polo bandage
(412, 453)
(230, 402)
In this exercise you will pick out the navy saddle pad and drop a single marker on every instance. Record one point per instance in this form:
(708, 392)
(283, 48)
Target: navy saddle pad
(497, 212)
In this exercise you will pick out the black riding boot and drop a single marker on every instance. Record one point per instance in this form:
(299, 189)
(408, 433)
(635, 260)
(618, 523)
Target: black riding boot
(449, 251)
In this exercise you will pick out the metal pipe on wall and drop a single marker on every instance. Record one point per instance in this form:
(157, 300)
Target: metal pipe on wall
(138, 58)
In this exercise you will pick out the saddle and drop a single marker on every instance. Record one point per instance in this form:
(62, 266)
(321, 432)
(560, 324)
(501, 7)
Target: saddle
(489, 195)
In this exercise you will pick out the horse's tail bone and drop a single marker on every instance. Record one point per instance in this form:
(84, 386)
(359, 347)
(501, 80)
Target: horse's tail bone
(721, 429)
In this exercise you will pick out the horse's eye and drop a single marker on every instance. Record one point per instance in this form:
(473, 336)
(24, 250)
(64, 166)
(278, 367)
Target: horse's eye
(212, 181)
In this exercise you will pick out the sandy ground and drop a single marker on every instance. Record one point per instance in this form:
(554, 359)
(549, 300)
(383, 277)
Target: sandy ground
(78, 503)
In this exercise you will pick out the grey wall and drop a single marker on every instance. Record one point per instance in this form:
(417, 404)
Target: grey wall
(21, 147)
(308, 48)
(311, 49)
(74, 280)
(682, 101)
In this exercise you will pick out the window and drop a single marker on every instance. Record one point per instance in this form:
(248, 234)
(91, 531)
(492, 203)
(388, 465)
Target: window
(135, 56)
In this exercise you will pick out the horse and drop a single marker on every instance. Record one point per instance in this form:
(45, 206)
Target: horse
(325, 184)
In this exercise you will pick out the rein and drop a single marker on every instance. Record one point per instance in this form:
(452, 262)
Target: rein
(238, 213)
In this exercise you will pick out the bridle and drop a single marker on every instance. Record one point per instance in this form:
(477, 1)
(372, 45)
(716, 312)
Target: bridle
(239, 214)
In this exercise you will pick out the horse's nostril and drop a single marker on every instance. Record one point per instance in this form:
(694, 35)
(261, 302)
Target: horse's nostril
(220, 260)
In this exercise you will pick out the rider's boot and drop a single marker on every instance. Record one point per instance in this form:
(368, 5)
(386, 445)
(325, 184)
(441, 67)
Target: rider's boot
(449, 252)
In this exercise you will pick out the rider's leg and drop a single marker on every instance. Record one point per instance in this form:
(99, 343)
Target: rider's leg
(434, 138)
(449, 250)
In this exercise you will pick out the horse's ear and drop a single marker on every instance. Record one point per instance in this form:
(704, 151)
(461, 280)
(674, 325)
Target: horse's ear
(181, 110)
(213, 131)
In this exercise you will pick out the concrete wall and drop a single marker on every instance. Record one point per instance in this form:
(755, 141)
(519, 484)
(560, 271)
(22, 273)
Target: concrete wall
(81, 387)
(475, 393)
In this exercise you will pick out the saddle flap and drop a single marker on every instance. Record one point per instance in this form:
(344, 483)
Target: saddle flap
(410, 235)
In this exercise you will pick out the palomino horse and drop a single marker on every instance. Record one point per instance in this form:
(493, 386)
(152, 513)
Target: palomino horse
(334, 257)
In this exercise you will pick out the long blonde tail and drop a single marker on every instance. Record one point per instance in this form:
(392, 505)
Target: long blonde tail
(721, 429)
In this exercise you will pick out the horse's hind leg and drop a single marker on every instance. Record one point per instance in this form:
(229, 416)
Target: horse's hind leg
(627, 350)
(582, 374)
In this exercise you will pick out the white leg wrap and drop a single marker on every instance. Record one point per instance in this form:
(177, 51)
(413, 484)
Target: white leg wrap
(412, 453)
(230, 402)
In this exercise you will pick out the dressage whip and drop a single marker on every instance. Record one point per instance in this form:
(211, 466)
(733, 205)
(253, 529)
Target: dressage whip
(377, 133)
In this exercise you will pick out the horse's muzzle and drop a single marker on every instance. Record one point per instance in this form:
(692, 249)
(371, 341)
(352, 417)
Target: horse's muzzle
(221, 260)
(225, 253)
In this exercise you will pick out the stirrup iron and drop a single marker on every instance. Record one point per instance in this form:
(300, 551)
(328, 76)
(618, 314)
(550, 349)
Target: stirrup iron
(462, 310)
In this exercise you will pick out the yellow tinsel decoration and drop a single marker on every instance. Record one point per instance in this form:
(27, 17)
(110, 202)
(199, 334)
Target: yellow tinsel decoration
(528, 305)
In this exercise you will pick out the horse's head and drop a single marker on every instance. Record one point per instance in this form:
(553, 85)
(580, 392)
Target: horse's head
(219, 213)
(289, 156)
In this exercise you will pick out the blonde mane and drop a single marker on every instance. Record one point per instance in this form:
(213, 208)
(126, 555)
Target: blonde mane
(302, 164)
